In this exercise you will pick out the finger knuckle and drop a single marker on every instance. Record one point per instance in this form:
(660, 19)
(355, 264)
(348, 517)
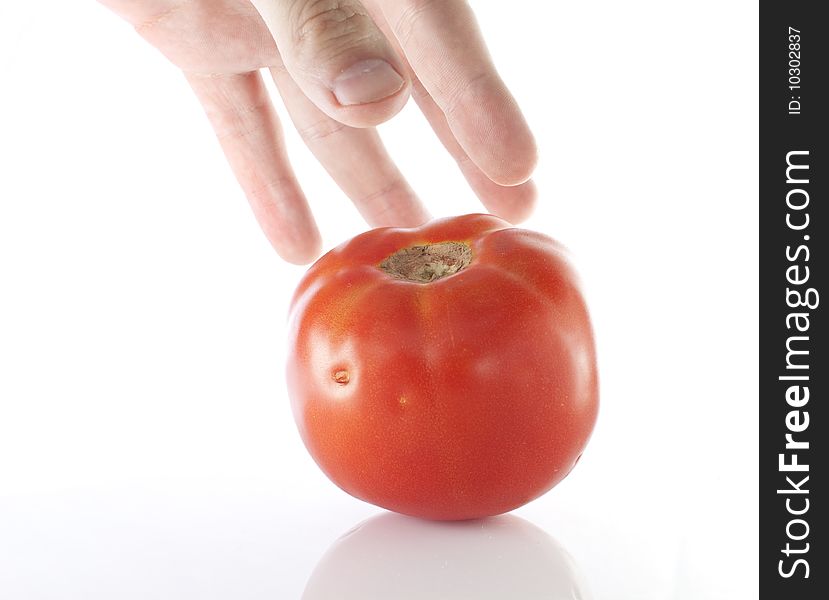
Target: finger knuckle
(467, 93)
(271, 194)
(411, 13)
(320, 130)
(329, 26)
(388, 204)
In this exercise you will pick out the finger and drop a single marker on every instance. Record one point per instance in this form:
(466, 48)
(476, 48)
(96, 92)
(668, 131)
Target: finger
(338, 57)
(444, 46)
(356, 159)
(248, 129)
(140, 12)
(513, 203)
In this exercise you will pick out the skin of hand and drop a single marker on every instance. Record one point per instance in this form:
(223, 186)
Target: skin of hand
(342, 67)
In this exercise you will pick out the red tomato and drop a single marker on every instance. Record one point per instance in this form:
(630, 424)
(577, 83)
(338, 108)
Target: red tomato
(446, 371)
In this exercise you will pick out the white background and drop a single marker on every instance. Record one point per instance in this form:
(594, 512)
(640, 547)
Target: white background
(147, 448)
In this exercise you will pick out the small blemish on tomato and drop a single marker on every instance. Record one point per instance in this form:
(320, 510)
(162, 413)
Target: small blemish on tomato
(341, 376)
(403, 401)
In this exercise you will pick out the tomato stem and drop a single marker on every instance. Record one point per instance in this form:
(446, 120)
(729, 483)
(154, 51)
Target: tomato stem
(428, 262)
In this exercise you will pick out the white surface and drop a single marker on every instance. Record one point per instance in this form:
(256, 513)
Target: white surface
(146, 445)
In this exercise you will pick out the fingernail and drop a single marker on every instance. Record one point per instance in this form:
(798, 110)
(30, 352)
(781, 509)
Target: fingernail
(367, 81)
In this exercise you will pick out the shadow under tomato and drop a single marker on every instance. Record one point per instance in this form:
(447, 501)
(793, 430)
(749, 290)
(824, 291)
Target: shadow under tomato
(392, 557)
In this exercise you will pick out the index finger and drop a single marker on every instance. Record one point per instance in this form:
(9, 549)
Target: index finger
(445, 49)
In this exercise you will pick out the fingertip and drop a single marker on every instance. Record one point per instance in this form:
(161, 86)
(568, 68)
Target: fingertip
(289, 227)
(523, 201)
(299, 251)
(517, 166)
(515, 203)
(488, 124)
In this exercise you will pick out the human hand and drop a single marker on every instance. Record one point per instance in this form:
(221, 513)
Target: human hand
(341, 67)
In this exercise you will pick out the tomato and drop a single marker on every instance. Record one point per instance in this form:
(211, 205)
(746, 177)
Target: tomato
(446, 371)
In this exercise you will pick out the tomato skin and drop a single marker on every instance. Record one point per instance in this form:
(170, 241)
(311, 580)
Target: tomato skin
(459, 398)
